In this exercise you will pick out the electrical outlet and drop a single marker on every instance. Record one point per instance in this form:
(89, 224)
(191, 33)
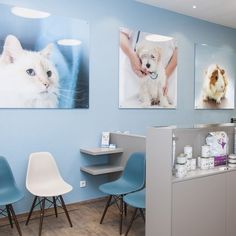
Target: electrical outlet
(82, 184)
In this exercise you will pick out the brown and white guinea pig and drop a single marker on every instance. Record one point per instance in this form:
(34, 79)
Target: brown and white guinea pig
(215, 83)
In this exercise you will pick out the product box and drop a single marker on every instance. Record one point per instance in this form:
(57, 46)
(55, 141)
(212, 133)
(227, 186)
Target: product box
(220, 160)
(105, 139)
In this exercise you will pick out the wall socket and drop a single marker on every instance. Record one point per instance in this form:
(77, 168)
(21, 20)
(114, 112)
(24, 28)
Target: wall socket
(82, 184)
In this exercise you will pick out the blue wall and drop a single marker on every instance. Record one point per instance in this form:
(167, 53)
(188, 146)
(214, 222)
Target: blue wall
(63, 132)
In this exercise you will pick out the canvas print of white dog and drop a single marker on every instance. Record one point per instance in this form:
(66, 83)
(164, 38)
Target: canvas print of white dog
(214, 78)
(152, 84)
(147, 70)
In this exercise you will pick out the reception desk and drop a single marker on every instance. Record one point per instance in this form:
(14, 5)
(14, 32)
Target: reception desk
(201, 204)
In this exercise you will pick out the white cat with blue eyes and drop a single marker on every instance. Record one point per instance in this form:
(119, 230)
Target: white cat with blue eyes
(28, 79)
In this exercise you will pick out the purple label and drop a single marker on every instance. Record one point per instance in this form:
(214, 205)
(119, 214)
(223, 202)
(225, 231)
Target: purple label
(220, 160)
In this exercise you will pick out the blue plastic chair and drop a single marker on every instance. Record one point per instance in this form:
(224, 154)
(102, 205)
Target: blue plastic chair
(9, 193)
(136, 200)
(132, 179)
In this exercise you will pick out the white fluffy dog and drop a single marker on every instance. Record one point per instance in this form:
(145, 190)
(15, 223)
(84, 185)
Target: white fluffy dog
(215, 83)
(151, 86)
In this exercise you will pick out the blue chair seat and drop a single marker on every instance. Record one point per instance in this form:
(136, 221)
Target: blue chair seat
(10, 195)
(136, 199)
(118, 187)
(131, 180)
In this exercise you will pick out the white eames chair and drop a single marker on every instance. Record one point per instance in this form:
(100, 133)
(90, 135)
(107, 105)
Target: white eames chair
(45, 182)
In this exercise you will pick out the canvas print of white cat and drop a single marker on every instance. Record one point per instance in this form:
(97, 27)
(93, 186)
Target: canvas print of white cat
(44, 61)
(28, 79)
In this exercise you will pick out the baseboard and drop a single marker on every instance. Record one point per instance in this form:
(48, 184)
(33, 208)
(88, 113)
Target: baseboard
(50, 211)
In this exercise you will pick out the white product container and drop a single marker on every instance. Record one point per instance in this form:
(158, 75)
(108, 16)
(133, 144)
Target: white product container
(199, 162)
(181, 159)
(204, 163)
(181, 170)
(232, 156)
(232, 161)
(193, 164)
(232, 165)
(188, 151)
(211, 162)
(189, 161)
(205, 151)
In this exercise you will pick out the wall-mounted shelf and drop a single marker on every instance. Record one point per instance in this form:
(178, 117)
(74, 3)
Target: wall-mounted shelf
(114, 159)
(101, 169)
(101, 151)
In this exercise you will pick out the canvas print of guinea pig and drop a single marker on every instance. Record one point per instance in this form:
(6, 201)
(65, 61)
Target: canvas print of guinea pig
(215, 84)
(151, 86)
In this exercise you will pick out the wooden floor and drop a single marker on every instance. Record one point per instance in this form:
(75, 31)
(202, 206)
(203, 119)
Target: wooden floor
(85, 221)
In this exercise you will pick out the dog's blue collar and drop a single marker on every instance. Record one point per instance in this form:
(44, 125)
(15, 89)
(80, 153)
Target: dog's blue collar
(153, 77)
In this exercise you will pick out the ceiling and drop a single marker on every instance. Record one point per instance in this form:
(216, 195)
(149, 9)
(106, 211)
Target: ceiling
(221, 12)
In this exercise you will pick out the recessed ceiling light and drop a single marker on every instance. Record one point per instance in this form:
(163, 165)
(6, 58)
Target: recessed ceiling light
(204, 44)
(157, 38)
(29, 13)
(69, 42)
(194, 6)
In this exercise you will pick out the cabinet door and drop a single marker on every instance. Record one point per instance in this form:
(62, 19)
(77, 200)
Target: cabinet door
(231, 204)
(199, 207)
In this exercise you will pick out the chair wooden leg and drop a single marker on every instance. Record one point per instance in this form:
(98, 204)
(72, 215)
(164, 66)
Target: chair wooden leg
(65, 210)
(31, 210)
(121, 212)
(142, 214)
(131, 221)
(106, 207)
(55, 205)
(41, 216)
(125, 208)
(9, 215)
(15, 219)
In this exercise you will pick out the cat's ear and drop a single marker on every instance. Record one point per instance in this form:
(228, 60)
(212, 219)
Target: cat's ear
(12, 49)
(46, 52)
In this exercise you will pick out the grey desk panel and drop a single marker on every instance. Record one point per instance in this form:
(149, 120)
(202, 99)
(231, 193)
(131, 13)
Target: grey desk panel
(199, 207)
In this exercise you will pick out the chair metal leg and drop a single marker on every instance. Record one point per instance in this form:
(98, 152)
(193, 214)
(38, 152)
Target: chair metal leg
(15, 219)
(9, 215)
(31, 210)
(65, 210)
(142, 214)
(42, 206)
(106, 207)
(55, 205)
(131, 221)
(121, 212)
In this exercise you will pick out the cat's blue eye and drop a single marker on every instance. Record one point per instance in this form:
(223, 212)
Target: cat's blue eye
(49, 73)
(31, 72)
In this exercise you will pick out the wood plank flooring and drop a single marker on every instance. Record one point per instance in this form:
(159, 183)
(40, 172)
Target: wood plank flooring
(85, 219)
